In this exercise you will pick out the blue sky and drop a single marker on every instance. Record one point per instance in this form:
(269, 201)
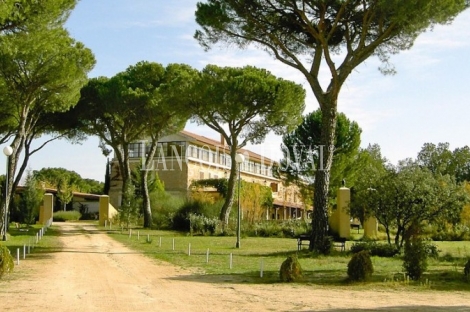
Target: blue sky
(426, 101)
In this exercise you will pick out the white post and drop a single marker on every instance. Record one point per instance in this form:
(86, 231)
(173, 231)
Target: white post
(189, 249)
(231, 260)
(173, 244)
(17, 256)
(37, 238)
(130, 233)
(138, 235)
(105, 223)
(261, 268)
(24, 251)
(207, 255)
(148, 238)
(160, 242)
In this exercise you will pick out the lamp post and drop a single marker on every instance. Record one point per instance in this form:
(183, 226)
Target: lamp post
(239, 158)
(7, 150)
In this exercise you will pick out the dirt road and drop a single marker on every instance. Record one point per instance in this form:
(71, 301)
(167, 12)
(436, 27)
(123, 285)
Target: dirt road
(95, 273)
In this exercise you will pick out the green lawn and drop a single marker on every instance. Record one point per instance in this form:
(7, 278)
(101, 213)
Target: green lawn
(17, 238)
(269, 253)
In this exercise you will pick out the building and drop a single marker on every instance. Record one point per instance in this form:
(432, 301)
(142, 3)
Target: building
(184, 157)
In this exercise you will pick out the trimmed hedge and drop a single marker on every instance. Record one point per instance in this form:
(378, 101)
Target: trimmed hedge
(62, 216)
(374, 249)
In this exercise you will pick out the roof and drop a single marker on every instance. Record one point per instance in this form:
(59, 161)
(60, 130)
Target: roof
(21, 188)
(281, 203)
(212, 142)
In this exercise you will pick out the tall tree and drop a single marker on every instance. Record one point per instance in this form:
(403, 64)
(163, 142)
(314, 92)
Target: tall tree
(141, 103)
(19, 15)
(441, 160)
(408, 195)
(243, 105)
(302, 149)
(337, 35)
(31, 199)
(41, 71)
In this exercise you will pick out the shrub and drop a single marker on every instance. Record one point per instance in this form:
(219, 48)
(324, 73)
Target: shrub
(291, 271)
(277, 228)
(202, 225)
(66, 216)
(415, 258)
(164, 207)
(466, 271)
(379, 250)
(181, 219)
(431, 250)
(360, 266)
(6, 261)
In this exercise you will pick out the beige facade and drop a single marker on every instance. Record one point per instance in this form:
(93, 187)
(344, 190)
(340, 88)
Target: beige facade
(185, 157)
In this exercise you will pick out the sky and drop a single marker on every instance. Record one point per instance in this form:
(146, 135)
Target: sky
(426, 101)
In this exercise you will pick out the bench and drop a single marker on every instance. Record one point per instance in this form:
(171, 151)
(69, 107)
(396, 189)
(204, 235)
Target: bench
(340, 243)
(356, 226)
(304, 239)
(301, 239)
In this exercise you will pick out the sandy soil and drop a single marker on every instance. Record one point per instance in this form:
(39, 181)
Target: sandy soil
(92, 272)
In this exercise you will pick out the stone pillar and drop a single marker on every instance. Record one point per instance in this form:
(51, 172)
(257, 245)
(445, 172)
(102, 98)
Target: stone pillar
(334, 221)
(47, 209)
(370, 227)
(344, 223)
(107, 211)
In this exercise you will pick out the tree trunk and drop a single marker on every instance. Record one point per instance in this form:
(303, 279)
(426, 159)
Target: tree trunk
(147, 209)
(227, 207)
(322, 177)
(11, 162)
(147, 167)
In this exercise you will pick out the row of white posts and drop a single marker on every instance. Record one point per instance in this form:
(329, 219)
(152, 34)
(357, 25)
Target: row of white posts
(32, 242)
(189, 251)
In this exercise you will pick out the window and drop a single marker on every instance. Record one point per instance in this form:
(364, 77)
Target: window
(274, 187)
(175, 149)
(201, 175)
(135, 150)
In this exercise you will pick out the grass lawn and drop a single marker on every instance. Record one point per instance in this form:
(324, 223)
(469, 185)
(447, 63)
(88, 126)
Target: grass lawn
(26, 236)
(255, 253)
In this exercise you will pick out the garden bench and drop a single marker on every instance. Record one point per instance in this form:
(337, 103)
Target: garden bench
(304, 239)
(301, 239)
(355, 226)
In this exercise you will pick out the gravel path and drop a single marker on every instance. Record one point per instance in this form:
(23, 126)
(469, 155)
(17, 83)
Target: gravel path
(92, 272)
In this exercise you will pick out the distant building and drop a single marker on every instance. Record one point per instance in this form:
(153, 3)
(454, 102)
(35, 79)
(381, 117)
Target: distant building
(185, 157)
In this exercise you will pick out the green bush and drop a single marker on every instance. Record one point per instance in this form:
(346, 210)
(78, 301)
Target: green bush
(61, 216)
(431, 250)
(181, 219)
(360, 266)
(277, 228)
(466, 271)
(448, 232)
(290, 271)
(415, 258)
(202, 225)
(374, 249)
(6, 261)
(164, 207)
